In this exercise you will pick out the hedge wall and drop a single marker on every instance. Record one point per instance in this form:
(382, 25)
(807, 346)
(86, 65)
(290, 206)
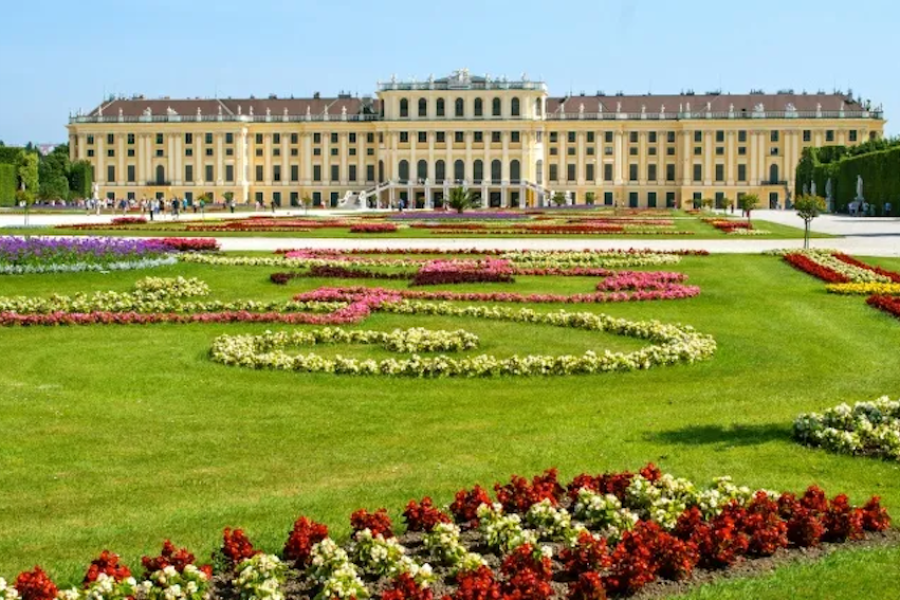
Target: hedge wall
(81, 178)
(10, 155)
(877, 161)
(7, 185)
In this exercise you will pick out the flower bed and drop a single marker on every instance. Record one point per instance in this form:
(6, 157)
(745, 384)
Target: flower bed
(598, 535)
(454, 216)
(43, 251)
(448, 272)
(373, 228)
(868, 288)
(728, 226)
(835, 267)
(889, 304)
(128, 221)
(867, 428)
(336, 272)
(671, 344)
(189, 244)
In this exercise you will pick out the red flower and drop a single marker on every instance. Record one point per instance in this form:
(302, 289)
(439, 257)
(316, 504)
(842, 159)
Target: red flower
(404, 587)
(588, 587)
(378, 522)
(170, 556)
(875, 518)
(35, 585)
(304, 535)
(519, 495)
(465, 505)
(842, 522)
(588, 554)
(108, 564)
(236, 547)
(477, 585)
(423, 516)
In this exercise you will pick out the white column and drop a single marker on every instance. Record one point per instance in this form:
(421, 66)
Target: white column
(469, 170)
(619, 157)
(198, 160)
(140, 153)
(177, 176)
(642, 157)
(342, 141)
(326, 162)
(306, 162)
(285, 163)
(686, 158)
(754, 159)
(708, 175)
(100, 175)
(504, 170)
(729, 157)
(170, 157)
(220, 158)
(120, 158)
(579, 174)
(267, 156)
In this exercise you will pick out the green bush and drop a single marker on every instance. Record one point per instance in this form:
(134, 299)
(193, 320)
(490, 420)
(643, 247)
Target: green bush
(81, 179)
(7, 185)
(10, 155)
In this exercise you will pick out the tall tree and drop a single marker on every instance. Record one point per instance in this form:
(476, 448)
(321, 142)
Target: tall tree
(53, 172)
(28, 176)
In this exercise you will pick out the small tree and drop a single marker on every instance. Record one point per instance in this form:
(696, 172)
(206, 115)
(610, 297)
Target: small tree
(461, 199)
(589, 198)
(558, 198)
(307, 202)
(229, 196)
(707, 203)
(747, 203)
(808, 207)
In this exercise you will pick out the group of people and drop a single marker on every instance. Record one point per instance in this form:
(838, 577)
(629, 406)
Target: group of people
(860, 208)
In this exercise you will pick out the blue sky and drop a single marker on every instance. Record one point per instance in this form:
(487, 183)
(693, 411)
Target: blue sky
(60, 55)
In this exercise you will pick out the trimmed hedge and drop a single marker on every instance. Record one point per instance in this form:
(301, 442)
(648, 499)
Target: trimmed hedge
(878, 161)
(81, 179)
(10, 155)
(7, 185)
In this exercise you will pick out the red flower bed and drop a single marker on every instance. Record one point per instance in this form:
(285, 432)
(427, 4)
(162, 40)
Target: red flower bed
(128, 221)
(378, 522)
(727, 226)
(889, 304)
(895, 277)
(190, 244)
(35, 585)
(171, 557)
(465, 505)
(404, 587)
(519, 494)
(236, 547)
(329, 272)
(373, 228)
(108, 564)
(423, 516)
(809, 266)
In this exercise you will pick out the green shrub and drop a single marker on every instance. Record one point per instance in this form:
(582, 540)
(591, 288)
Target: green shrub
(7, 184)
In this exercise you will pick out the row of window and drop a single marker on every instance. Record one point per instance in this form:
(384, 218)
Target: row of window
(652, 175)
(459, 107)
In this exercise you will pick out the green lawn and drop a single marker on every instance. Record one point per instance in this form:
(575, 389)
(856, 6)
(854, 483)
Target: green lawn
(121, 436)
(697, 229)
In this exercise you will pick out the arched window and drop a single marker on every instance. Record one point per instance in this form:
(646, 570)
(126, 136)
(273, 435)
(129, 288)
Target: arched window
(404, 107)
(380, 171)
(440, 107)
(439, 172)
(515, 172)
(479, 107)
(478, 174)
(460, 107)
(515, 109)
(773, 174)
(495, 107)
(459, 170)
(404, 171)
(422, 170)
(423, 107)
(496, 171)
(537, 107)
(160, 175)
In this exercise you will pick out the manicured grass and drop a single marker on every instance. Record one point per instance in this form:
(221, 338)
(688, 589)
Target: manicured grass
(118, 437)
(698, 231)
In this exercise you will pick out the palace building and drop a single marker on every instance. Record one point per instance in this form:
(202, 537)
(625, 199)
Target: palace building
(509, 140)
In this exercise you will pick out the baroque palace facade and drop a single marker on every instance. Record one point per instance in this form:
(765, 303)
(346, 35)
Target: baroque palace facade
(508, 140)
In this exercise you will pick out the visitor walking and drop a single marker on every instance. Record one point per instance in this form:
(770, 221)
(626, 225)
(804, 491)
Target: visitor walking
(231, 205)
(175, 206)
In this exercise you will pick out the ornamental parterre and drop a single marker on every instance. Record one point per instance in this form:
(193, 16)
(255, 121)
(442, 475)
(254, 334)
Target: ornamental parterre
(866, 429)
(611, 534)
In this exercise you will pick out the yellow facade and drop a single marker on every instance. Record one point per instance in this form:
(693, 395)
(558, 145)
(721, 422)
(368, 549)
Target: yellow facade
(508, 140)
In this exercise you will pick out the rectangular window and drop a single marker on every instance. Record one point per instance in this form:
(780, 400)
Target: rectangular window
(607, 172)
(698, 150)
(742, 172)
(90, 140)
(229, 173)
(698, 173)
(370, 138)
(651, 137)
(742, 137)
(294, 138)
(608, 150)
(651, 150)
(670, 172)
(670, 151)
(853, 134)
(807, 135)
(294, 152)
(352, 151)
(209, 151)
(698, 137)
(633, 137)
(720, 136)
(370, 172)
(554, 137)
(209, 138)
(210, 175)
(189, 173)
(131, 152)
(159, 138)
(335, 173)
(651, 199)
(670, 137)
(515, 137)
(259, 173)
(670, 199)
(334, 138)
(570, 151)
(607, 198)
(651, 172)
(720, 150)
(317, 198)
(608, 137)
(554, 172)
(440, 137)
(317, 152)
(259, 138)
(317, 172)
(742, 150)
(570, 173)
(632, 172)
(130, 173)
(160, 153)
(590, 150)
(334, 152)
(720, 172)
(459, 137)
(110, 153)
(370, 151)
(479, 137)
(351, 173)
(317, 138)
(773, 136)
(130, 139)
(352, 138)
(632, 199)
(554, 151)
(188, 151)
(295, 173)
(229, 138)
(571, 137)
(404, 137)
(423, 137)
(495, 137)
(110, 138)
(589, 171)
(590, 137)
